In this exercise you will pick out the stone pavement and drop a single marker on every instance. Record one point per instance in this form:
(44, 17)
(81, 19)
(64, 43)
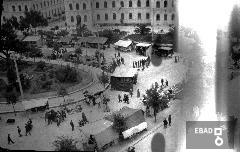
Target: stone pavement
(73, 97)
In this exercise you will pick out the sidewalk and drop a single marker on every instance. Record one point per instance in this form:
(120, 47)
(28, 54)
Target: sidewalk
(56, 101)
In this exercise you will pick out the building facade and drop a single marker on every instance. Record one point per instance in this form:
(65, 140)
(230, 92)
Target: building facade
(50, 9)
(107, 12)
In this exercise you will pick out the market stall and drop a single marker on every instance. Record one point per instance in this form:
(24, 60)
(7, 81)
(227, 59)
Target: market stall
(93, 42)
(123, 78)
(142, 48)
(163, 50)
(124, 45)
(134, 119)
(102, 134)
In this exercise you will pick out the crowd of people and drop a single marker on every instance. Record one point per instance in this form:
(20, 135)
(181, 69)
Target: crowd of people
(141, 63)
(118, 59)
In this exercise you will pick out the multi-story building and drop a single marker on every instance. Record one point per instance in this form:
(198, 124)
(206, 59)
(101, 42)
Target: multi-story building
(92, 12)
(50, 9)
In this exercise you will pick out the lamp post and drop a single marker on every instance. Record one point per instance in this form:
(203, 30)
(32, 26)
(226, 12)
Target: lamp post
(99, 63)
(14, 57)
(152, 10)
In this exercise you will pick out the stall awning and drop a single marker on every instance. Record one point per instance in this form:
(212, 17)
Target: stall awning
(124, 72)
(100, 40)
(34, 103)
(65, 39)
(96, 127)
(165, 48)
(32, 38)
(143, 44)
(123, 43)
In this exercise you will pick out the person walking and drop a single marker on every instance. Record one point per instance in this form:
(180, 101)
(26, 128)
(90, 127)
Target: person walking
(118, 54)
(165, 123)
(138, 93)
(166, 82)
(10, 139)
(169, 120)
(131, 92)
(84, 118)
(162, 81)
(133, 65)
(19, 131)
(119, 98)
(127, 99)
(72, 125)
(58, 121)
(27, 128)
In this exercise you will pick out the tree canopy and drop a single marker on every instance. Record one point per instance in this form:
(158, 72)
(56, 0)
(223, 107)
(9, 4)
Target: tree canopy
(32, 18)
(10, 43)
(119, 123)
(142, 29)
(154, 99)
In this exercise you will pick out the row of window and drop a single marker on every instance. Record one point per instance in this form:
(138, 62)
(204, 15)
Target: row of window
(130, 4)
(35, 6)
(130, 16)
(77, 6)
(78, 18)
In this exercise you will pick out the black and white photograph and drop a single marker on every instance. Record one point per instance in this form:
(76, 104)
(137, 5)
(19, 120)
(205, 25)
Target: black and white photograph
(120, 75)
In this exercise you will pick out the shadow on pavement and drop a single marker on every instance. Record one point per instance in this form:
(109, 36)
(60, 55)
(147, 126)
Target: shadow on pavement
(156, 60)
(158, 143)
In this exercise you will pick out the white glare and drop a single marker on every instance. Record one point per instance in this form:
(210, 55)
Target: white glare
(205, 17)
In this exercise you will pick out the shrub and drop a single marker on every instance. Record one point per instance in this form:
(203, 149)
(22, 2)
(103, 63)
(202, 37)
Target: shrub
(3, 85)
(51, 74)
(40, 66)
(65, 144)
(43, 77)
(47, 85)
(66, 74)
(25, 81)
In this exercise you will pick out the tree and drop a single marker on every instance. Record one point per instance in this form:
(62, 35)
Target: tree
(67, 75)
(104, 79)
(81, 30)
(10, 44)
(63, 33)
(56, 47)
(153, 99)
(78, 51)
(64, 143)
(11, 95)
(119, 124)
(142, 29)
(33, 18)
(14, 23)
(25, 81)
(111, 35)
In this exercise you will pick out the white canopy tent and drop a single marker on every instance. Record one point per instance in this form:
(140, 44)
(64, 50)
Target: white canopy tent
(143, 44)
(123, 43)
(124, 72)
